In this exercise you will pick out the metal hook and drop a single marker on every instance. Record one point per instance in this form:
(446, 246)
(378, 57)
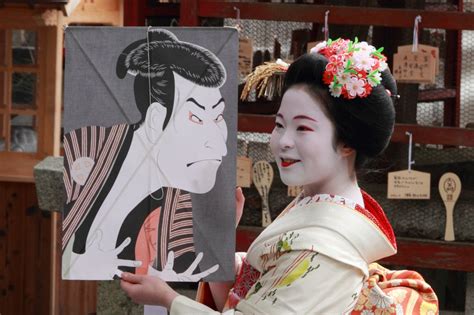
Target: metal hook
(410, 140)
(415, 34)
(326, 25)
(238, 23)
(174, 22)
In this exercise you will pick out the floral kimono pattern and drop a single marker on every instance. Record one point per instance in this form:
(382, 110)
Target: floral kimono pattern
(399, 292)
(317, 258)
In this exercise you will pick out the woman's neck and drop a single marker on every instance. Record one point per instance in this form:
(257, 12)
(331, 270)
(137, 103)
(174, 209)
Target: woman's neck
(342, 183)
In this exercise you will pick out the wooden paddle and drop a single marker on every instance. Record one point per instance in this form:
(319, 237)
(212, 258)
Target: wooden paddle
(262, 179)
(449, 189)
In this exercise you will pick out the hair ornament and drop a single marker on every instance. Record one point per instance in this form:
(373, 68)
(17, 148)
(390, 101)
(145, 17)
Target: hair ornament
(266, 80)
(353, 68)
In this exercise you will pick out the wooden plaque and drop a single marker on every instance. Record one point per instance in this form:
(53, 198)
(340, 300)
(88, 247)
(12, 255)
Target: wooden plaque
(408, 185)
(434, 51)
(244, 171)
(410, 67)
(245, 56)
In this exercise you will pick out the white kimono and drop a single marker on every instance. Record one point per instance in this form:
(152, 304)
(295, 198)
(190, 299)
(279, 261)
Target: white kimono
(313, 259)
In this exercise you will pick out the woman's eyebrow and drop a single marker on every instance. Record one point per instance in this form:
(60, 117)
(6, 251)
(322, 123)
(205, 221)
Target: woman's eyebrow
(304, 117)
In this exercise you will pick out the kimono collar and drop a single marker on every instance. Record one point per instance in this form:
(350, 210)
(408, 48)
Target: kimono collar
(372, 210)
(331, 225)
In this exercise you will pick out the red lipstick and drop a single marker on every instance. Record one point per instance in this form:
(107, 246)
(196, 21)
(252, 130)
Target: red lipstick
(286, 162)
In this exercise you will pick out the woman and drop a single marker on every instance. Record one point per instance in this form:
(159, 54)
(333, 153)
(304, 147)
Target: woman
(336, 113)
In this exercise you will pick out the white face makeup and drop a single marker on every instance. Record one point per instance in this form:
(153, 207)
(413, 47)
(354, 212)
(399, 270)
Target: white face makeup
(302, 141)
(193, 143)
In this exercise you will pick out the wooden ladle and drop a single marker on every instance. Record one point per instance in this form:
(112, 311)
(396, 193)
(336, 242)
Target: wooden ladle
(262, 179)
(449, 188)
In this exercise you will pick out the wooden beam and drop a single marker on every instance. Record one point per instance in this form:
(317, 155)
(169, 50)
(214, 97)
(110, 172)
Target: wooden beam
(453, 20)
(451, 136)
(435, 95)
(71, 6)
(48, 2)
(19, 17)
(164, 10)
(17, 167)
(433, 254)
(412, 252)
(421, 134)
(271, 107)
(256, 123)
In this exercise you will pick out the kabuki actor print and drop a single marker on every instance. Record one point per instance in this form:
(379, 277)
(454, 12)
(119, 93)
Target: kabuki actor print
(150, 119)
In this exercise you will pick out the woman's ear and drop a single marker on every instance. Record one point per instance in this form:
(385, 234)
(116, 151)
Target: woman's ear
(154, 120)
(346, 150)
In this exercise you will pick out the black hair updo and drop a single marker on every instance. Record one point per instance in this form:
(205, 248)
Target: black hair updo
(364, 124)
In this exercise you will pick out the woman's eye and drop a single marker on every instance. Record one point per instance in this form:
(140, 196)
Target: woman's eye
(219, 118)
(304, 128)
(278, 125)
(195, 119)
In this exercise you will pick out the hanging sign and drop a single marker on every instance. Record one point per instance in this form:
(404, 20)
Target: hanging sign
(414, 67)
(414, 64)
(245, 56)
(244, 171)
(433, 51)
(408, 184)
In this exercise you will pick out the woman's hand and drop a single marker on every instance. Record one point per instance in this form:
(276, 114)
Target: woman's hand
(146, 289)
(239, 205)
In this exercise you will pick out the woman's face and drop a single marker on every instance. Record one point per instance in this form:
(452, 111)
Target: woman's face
(303, 140)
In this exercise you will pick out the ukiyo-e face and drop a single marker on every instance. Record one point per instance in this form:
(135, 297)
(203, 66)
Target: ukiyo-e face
(303, 140)
(192, 145)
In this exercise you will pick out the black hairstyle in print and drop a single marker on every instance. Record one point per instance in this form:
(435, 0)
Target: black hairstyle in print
(364, 124)
(166, 55)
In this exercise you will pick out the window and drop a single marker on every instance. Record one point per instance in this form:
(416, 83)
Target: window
(18, 90)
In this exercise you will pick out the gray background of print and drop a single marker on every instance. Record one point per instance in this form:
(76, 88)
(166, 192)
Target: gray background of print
(94, 95)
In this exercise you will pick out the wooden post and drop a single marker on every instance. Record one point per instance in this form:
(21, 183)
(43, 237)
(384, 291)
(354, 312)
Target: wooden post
(134, 13)
(406, 106)
(189, 13)
(68, 296)
(452, 73)
(469, 308)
